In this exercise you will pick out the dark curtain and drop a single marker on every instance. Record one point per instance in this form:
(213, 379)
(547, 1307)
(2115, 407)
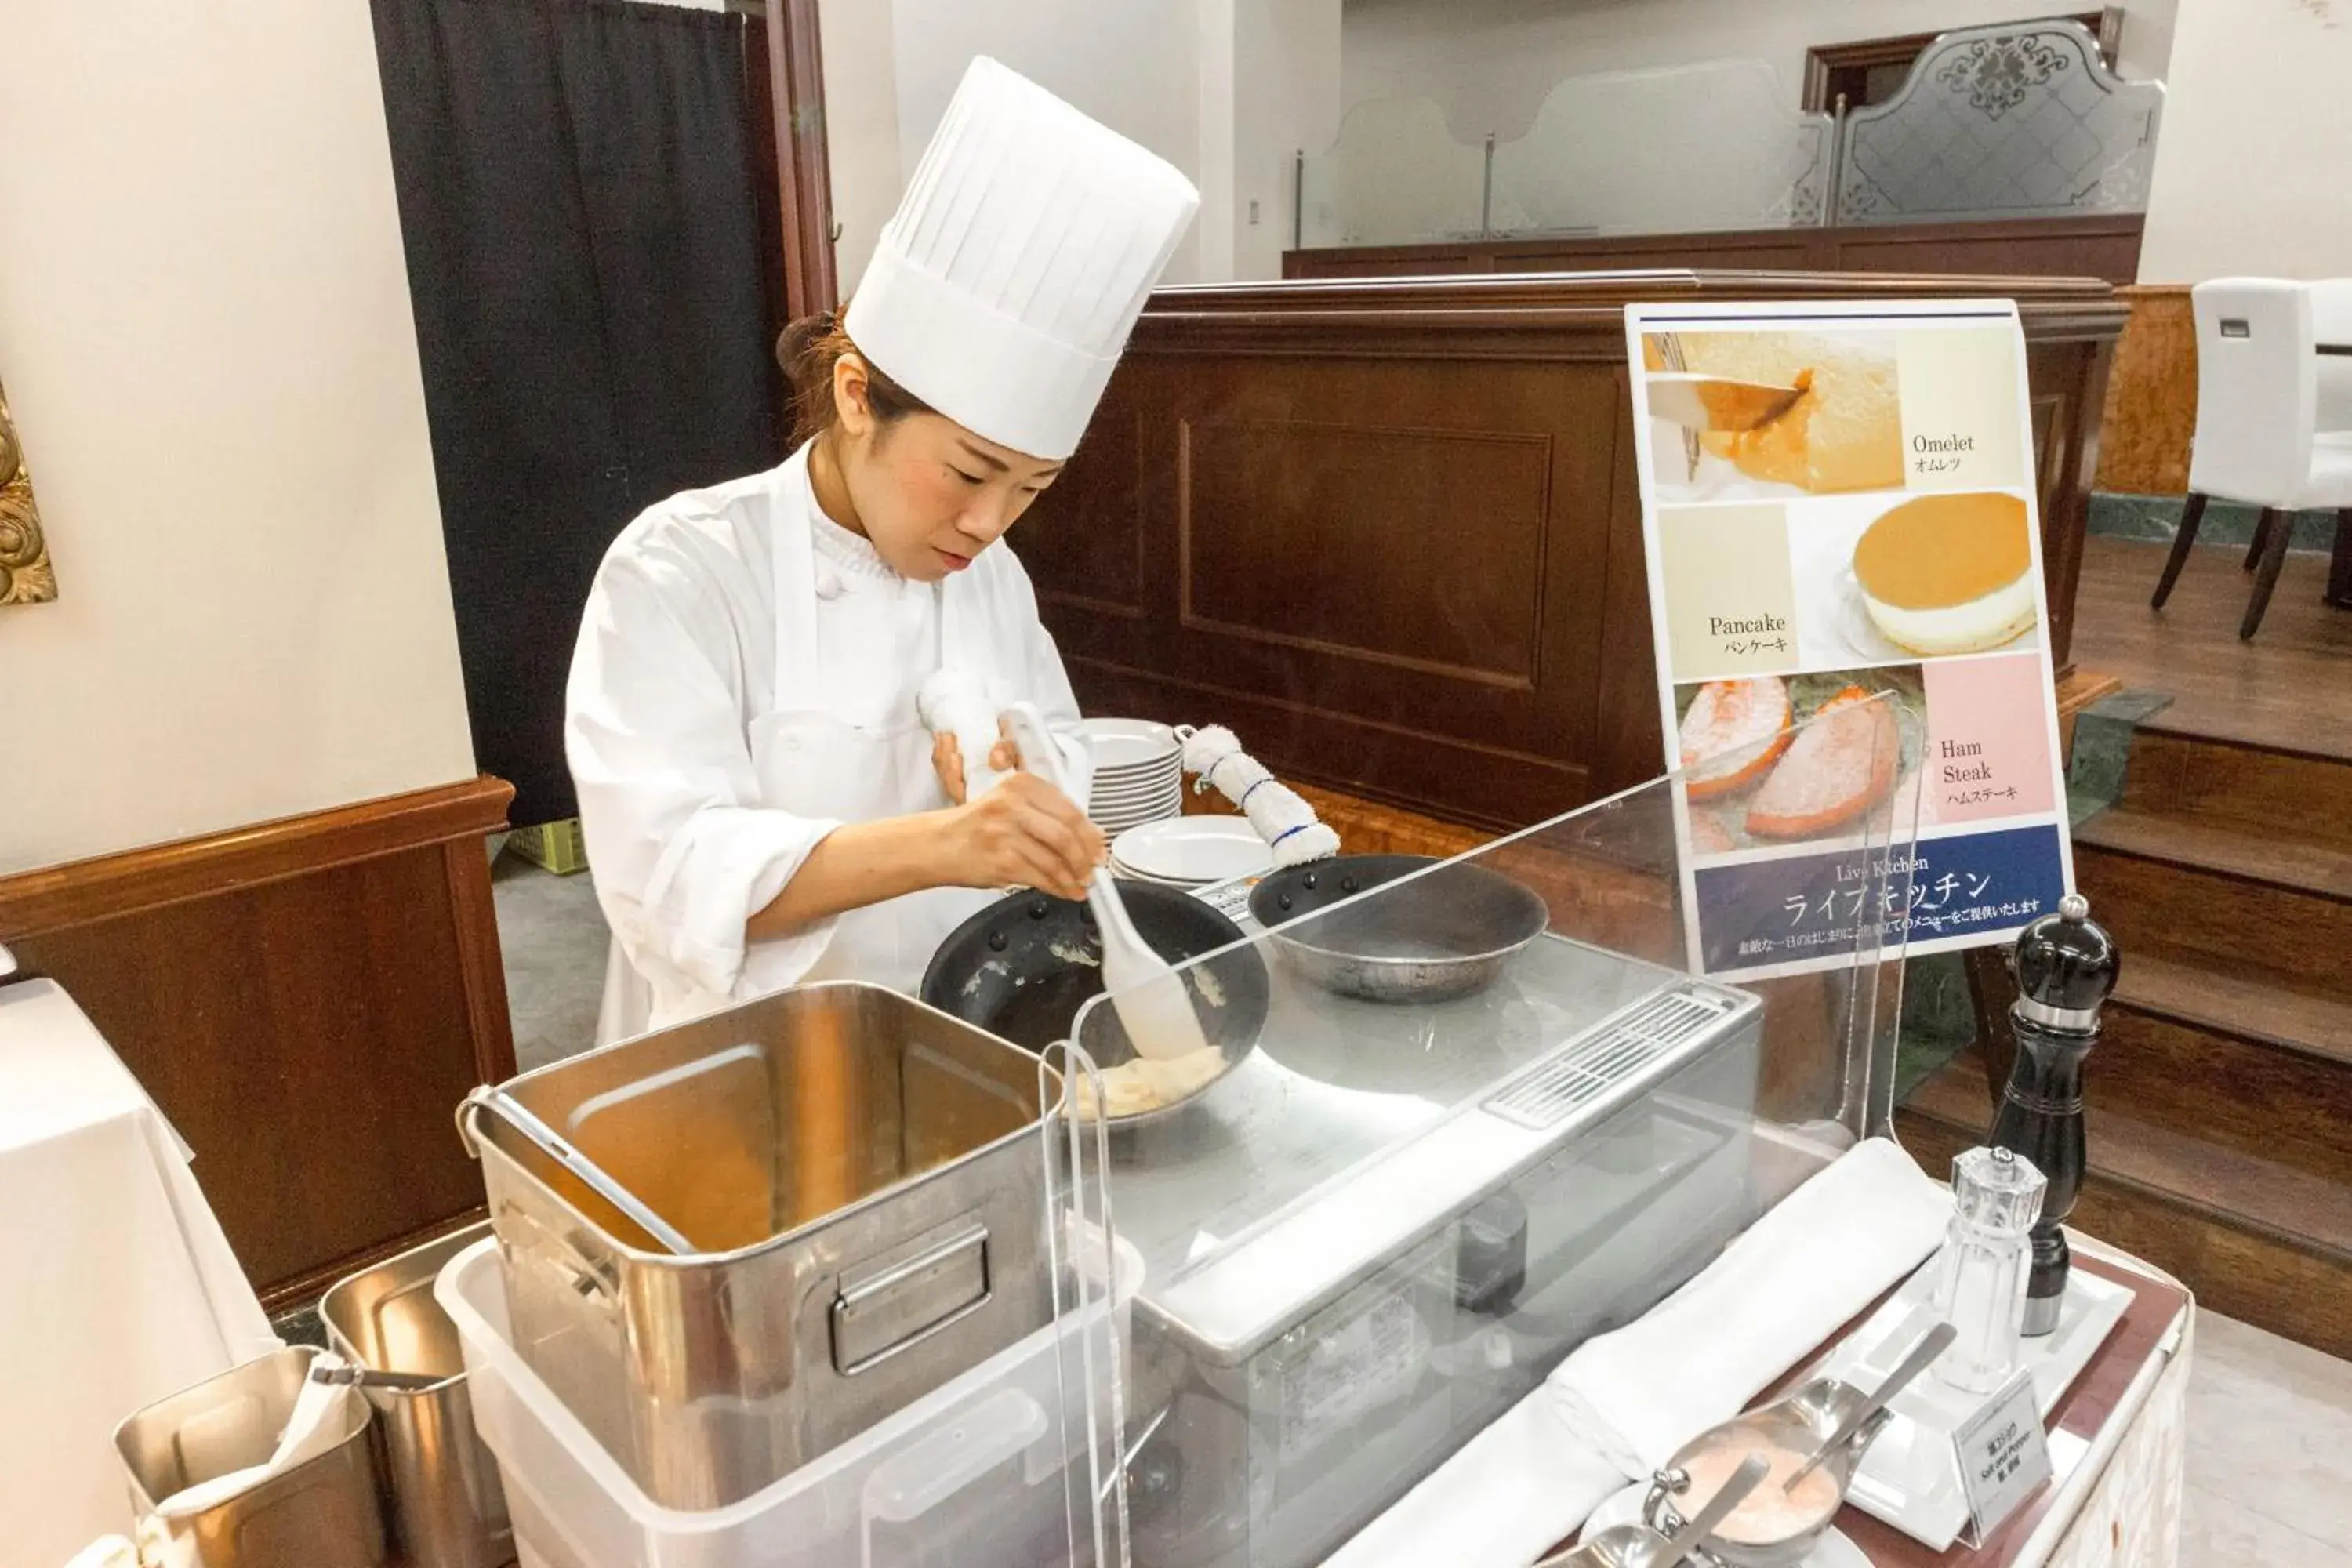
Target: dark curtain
(588, 270)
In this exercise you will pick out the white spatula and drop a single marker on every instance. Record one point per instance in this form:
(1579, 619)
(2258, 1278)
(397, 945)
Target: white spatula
(1153, 1005)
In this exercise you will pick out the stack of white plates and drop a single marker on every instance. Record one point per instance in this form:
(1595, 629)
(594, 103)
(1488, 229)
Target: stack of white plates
(1139, 773)
(1191, 851)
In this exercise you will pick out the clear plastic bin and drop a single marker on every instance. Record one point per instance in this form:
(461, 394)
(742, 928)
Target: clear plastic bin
(971, 1475)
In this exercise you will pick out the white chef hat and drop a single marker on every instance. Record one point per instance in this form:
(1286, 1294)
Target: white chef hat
(1004, 287)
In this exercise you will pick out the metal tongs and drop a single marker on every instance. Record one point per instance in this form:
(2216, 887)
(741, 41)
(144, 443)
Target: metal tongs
(353, 1375)
(1637, 1546)
(558, 1148)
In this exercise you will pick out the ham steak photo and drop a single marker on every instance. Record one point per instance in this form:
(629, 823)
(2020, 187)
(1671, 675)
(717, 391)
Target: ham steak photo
(1782, 760)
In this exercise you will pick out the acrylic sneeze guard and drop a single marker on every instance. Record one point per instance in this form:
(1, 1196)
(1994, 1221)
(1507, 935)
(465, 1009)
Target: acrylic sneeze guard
(1388, 1220)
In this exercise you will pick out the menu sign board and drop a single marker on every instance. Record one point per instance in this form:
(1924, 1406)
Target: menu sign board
(1839, 507)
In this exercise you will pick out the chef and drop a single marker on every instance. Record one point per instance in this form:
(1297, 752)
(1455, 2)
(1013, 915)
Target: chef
(762, 801)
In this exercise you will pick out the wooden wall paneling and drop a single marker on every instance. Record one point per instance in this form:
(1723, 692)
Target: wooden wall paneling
(1317, 519)
(2151, 408)
(307, 1001)
(2104, 247)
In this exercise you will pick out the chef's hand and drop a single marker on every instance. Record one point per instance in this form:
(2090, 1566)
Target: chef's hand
(946, 761)
(1022, 833)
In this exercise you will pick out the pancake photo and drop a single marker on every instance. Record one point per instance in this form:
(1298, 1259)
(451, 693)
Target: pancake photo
(1885, 581)
(1737, 415)
(1949, 573)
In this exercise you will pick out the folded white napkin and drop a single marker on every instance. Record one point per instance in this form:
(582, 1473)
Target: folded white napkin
(1832, 1247)
(1509, 1494)
(1286, 822)
(1623, 1403)
(319, 1421)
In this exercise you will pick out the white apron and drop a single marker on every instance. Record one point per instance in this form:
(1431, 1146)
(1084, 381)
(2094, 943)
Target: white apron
(813, 764)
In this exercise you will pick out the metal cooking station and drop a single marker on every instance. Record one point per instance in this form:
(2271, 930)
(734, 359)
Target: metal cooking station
(1386, 1223)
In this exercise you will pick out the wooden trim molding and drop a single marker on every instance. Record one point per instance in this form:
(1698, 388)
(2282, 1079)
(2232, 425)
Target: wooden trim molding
(2104, 245)
(804, 168)
(307, 1000)
(134, 880)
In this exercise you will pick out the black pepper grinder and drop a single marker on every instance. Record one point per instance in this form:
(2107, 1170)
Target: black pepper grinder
(2065, 964)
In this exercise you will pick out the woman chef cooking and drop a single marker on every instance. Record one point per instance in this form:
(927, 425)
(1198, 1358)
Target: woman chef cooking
(761, 801)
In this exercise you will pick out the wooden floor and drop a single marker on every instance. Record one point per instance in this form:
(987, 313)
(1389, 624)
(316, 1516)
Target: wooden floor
(2290, 688)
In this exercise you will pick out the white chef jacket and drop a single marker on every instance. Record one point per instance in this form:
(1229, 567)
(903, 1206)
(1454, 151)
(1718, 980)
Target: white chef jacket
(745, 681)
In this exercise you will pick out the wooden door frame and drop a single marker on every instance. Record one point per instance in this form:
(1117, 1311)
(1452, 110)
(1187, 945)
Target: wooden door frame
(803, 169)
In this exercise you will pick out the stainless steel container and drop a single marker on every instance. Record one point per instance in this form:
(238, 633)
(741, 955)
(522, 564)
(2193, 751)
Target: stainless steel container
(322, 1513)
(863, 1181)
(1798, 1424)
(447, 1508)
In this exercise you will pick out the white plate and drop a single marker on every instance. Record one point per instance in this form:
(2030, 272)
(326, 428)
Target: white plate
(1138, 810)
(1159, 778)
(1128, 742)
(1195, 850)
(1112, 826)
(1172, 790)
(1860, 635)
(1129, 874)
(1152, 801)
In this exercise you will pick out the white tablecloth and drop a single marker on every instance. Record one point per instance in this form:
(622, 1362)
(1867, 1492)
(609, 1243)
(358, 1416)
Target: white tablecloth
(116, 1285)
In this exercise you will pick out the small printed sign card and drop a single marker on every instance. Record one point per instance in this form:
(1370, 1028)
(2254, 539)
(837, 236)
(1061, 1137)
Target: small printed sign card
(1840, 521)
(2004, 1456)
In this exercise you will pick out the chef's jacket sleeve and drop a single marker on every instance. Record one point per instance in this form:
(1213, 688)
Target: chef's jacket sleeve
(682, 854)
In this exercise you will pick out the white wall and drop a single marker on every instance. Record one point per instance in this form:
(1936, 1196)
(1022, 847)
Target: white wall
(2250, 167)
(1287, 97)
(1132, 64)
(861, 126)
(1488, 63)
(205, 337)
(1227, 90)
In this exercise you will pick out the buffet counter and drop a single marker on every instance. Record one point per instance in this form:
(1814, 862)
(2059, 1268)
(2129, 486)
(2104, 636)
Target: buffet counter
(1391, 530)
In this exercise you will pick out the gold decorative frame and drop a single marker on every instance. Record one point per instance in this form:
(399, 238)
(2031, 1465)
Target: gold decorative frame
(25, 577)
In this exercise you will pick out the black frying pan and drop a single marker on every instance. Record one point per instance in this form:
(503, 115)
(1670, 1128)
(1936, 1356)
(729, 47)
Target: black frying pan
(1024, 966)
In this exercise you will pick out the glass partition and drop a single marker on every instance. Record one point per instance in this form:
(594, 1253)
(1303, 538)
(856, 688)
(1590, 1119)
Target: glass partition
(2014, 121)
(1719, 148)
(2004, 121)
(1395, 176)
(1454, 1117)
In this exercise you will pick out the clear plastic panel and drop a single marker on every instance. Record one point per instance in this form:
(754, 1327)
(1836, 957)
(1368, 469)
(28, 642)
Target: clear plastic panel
(1718, 149)
(1096, 1274)
(1465, 1115)
(1395, 176)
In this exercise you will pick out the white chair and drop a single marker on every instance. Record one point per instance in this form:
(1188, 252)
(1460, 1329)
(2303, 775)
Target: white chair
(2274, 418)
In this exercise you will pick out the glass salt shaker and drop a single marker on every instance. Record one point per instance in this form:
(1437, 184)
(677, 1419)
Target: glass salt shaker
(1988, 1252)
